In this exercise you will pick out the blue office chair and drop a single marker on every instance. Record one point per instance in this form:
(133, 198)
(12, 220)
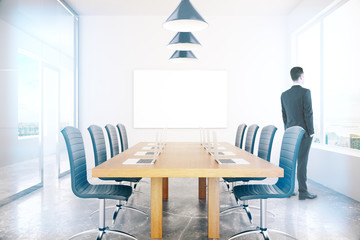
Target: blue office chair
(83, 189)
(249, 147)
(100, 155)
(264, 151)
(250, 138)
(240, 135)
(114, 150)
(283, 188)
(113, 140)
(123, 137)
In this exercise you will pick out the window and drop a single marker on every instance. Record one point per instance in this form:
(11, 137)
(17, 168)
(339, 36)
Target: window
(28, 95)
(308, 56)
(328, 50)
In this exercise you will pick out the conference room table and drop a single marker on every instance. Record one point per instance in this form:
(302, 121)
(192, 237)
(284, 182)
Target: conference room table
(186, 160)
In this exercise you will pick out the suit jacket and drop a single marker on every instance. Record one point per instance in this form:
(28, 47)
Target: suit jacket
(297, 108)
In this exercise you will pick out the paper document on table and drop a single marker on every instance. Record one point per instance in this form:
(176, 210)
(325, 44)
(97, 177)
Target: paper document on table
(227, 153)
(140, 161)
(145, 154)
(232, 161)
(223, 153)
(148, 148)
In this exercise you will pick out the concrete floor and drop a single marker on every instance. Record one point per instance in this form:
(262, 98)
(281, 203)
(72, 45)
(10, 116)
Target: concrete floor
(54, 212)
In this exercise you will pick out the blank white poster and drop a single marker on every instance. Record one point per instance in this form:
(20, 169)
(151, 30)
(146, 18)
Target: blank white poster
(180, 99)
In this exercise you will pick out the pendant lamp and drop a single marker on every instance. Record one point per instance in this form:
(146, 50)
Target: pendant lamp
(185, 19)
(183, 56)
(184, 41)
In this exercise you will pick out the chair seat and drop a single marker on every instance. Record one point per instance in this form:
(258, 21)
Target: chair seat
(260, 191)
(117, 192)
(242, 179)
(123, 179)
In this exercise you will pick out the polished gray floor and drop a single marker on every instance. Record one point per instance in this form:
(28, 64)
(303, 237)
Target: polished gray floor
(53, 212)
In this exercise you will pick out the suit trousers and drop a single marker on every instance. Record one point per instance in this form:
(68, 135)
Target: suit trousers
(303, 157)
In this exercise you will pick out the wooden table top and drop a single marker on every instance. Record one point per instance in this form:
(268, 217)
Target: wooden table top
(186, 159)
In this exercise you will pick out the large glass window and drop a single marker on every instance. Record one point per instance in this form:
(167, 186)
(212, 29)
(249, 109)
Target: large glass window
(309, 57)
(329, 50)
(341, 76)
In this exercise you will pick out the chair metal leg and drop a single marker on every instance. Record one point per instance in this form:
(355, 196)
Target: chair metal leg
(102, 228)
(120, 206)
(136, 210)
(120, 233)
(100, 234)
(282, 233)
(117, 209)
(83, 233)
(247, 232)
(247, 210)
(258, 208)
(262, 229)
(244, 206)
(231, 209)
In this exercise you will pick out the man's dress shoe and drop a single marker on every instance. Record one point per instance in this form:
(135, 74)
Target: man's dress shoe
(306, 195)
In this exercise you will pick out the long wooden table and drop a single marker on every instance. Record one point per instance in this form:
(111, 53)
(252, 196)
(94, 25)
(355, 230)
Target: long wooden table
(181, 160)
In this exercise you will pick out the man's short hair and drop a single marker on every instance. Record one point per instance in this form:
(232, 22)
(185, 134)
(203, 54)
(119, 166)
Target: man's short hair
(296, 72)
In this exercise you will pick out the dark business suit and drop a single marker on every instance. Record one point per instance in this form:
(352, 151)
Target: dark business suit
(297, 111)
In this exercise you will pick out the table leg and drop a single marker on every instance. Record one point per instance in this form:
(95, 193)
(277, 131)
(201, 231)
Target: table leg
(202, 188)
(165, 188)
(156, 207)
(213, 208)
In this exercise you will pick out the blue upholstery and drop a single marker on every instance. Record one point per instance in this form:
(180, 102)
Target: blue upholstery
(250, 138)
(284, 187)
(98, 142)
(240, 135)
(123, 136)
(265, 143)
(264, 151)
(113, 140)
(99, 146)
(249, 147)
(79, 183)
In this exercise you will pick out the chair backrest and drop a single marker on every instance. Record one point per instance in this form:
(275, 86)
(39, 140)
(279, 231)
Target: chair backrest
(265, 143)
(240, 135)
(288, 155)
(98, 142)
(76, 151)
(250, 138)
(113, 140)
(123, 136)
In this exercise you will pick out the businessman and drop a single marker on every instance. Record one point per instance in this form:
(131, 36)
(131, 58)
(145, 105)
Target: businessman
(297, 111)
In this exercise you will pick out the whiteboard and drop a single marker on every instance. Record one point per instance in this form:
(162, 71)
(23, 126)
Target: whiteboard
(180, 99)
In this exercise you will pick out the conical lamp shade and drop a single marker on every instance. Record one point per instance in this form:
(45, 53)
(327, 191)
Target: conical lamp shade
(184, 41)
(183, 56)
(185, 19)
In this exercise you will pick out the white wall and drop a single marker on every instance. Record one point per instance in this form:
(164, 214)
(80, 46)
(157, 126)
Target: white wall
(251, 49)
(336, 170)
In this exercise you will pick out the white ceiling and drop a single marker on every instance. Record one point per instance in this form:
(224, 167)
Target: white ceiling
(165, 7)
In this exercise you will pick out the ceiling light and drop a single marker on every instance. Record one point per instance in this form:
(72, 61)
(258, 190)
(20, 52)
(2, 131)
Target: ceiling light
(183, 56)
(184, 41)
(185, 19)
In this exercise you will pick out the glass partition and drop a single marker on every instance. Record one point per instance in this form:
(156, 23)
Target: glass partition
(37, 92)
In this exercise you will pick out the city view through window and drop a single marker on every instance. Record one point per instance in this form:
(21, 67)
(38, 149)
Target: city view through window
(328, 51)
